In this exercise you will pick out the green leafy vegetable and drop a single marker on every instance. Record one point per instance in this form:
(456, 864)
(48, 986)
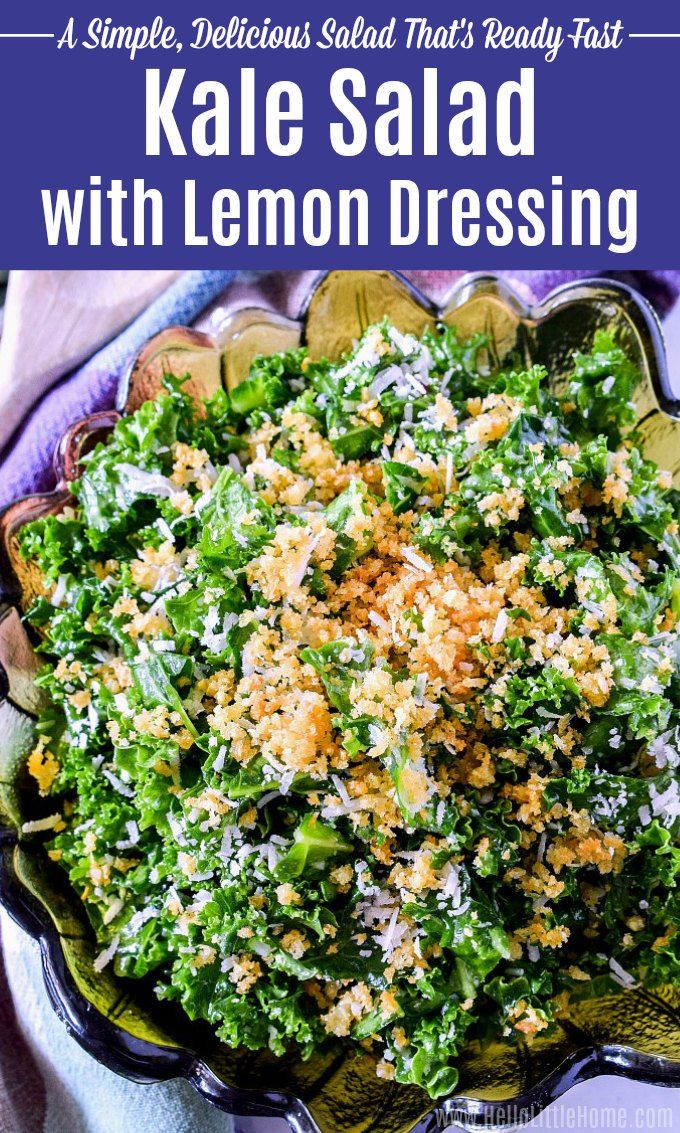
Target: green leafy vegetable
(363, 699)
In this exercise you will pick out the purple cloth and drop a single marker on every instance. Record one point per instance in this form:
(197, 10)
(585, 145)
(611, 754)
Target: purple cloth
(26, 464)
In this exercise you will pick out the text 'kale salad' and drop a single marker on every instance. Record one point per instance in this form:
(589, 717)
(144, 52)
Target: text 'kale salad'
(364, 696)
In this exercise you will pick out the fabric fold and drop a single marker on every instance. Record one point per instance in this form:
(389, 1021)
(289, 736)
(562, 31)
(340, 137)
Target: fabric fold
(26, 463)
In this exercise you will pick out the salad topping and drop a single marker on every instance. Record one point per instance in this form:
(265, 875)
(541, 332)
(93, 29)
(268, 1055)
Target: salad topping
(364, 699)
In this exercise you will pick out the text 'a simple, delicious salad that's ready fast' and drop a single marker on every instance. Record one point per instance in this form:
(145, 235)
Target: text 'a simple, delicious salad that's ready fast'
(364, 699)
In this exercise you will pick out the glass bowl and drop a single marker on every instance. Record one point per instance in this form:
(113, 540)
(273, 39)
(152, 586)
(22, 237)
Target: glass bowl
(633, 1033)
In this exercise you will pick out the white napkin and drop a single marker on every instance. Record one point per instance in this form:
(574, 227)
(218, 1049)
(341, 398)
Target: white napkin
(71, 314)
(81, 1095)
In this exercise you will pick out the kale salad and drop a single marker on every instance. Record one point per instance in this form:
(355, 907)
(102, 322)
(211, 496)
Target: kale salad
(364, 699)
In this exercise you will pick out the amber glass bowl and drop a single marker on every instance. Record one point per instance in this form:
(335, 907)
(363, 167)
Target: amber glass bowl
(634, 1033)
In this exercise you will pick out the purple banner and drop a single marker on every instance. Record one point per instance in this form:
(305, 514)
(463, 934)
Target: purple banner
(303, 136)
